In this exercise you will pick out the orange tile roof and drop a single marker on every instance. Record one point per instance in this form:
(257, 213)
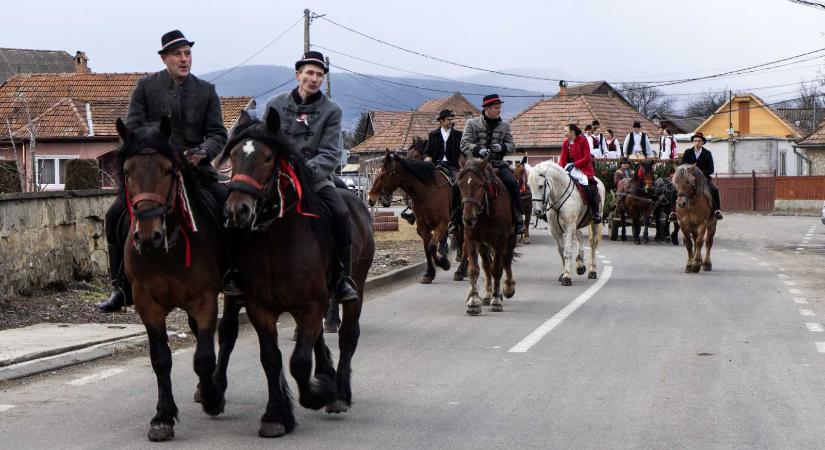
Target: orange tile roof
(456, 103)
(542, 125)
(816, 139)
(381, 120)
(231, 108)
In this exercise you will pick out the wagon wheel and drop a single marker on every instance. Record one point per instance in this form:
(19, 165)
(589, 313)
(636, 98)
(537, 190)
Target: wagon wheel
(612, 225)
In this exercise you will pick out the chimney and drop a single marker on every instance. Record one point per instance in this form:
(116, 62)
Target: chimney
(562, 88)
(81, 63)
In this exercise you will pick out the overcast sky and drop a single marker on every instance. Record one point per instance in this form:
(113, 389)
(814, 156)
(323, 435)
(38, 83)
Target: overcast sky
(615, 40)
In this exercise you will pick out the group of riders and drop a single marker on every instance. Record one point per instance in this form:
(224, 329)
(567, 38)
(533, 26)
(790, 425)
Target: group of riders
(312, 124)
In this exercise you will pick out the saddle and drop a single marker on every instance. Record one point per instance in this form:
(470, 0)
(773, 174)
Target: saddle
(591, 181)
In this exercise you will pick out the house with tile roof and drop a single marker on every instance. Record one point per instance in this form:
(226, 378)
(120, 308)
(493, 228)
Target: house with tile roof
(396, 130)
(813, 148)
(747, 135)
(539, 129)
(14, 61)
(72, 115)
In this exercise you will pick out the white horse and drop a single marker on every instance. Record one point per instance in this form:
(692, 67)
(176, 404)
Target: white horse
(555, 194)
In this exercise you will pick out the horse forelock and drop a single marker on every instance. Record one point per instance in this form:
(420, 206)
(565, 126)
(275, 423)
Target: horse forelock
(146, 140)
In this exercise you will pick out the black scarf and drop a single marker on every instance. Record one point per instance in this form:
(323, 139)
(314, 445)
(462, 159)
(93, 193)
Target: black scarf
(311, 99)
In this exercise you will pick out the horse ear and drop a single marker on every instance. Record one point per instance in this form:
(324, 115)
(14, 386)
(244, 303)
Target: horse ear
(273, 120)
(244, 118)
(122, 130)
(166, 127)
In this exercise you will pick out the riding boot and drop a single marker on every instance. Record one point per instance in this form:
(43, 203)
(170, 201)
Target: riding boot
(455, 218)
(594, 208)
(345, 291)
(231, 284)
(121, 294)
(408, 215)
(716, 204)
(518, 216)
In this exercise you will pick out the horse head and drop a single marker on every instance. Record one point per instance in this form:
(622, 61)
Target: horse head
(266, 173)
(686, 180)
(150, 176)
(386, 180)
(645, 173)
(416, 150)
(474, 182)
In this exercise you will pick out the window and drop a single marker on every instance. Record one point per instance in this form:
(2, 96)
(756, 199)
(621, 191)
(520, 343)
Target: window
(782, 164)
(51, 171)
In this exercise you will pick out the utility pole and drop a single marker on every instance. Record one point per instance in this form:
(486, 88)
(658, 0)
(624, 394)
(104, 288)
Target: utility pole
(307, 19)
(730, 112)
(329, 87)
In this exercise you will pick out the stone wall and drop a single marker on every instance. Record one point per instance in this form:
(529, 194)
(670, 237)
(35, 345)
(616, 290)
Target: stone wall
(49, 238)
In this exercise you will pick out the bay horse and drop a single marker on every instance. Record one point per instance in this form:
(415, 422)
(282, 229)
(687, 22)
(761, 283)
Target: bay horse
(431, 194)
(520, 173)
(174, 257)
(287, 263)
(488, 231)
(556, 197)
(694, 211)
(634, 200)
(665, 203)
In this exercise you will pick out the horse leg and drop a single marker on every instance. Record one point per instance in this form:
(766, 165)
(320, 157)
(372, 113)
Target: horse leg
(710, 231)
(527, 211)
(347, 342)
(486, 265)
(636, 229)
(429, 275)
(438, 246)
(580, 269)
(162, 425)
(559, 240)
(688, 238)
(509, 283)
(674, 237)
(461, 271)
(622, 218)
(473, 302)
(497, 302)
(324, 366)
(566, 277)
(278, 419)
(227, 335)
(699, 238)
(595, 237)
(205, 318)
(644, 224)
(317, 392)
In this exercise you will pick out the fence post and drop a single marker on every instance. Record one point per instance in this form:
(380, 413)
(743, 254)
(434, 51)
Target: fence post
(753, 190)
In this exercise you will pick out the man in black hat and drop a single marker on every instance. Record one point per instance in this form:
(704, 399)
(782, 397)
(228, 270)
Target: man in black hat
(489, 136)
(312, 124)
(703, 159)
(443, 148)
(622, 172)
(637, 143)
(197, 131)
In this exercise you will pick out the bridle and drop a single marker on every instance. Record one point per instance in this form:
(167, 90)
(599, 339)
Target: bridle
(483, 205)
(689, 194)
(559, 202)
(165, 208)
(386, 196)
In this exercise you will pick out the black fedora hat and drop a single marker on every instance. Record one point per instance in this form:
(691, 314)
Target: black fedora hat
(173, 39)
(637, 124)
(624, 160)
(700, 136)
(444, 114)
(312, 57)
(490, 100)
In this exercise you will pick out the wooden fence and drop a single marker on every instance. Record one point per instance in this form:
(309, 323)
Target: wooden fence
(800, 188)
(746, 192)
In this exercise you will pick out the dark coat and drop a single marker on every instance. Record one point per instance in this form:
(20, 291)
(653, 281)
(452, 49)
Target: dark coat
(435, 147)
(705, 162)
(194, 107)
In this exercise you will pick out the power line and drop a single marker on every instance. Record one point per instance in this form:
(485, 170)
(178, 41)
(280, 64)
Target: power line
(276, 87)
(261, 50)
(379, 91)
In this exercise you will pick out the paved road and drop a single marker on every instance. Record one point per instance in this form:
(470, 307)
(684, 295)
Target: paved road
(654, 359)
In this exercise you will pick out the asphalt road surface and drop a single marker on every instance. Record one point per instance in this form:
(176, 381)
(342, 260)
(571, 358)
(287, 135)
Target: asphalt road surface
(645, 357)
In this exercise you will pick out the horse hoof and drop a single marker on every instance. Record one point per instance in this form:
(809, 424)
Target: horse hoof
(526, 240)
(458, 276)
(474, 310)
(580, 270)
(485, 301)
(560, 277)
(271, 430)
(675, 242)
(496, 308)
(444, 264)
(566, 281)
(696, 268)
(638, 242)
(338, 406)
(707, 267)
(624, 238)
(214, 410)
(159, 432)
(688, 269)
(198, 396)
(592, 276)
(426, 279)
(330, 327)
(509, 290)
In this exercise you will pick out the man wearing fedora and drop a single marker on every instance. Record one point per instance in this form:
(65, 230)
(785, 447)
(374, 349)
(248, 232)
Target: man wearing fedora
(703, 159)
(197, 131)
(637, 144)
(311, 123)
(443, 148)
(489, 136)
(624, 171)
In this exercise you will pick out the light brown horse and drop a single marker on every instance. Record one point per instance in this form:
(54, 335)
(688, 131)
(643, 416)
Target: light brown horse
(431, 194)
(488, 230)
(635, 200)
(520, 174)
(694, 210)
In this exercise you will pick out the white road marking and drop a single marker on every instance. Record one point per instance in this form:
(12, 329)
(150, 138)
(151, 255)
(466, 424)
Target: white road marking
(781, 269)
(763, 263)
(820, 347)
(800, 300)
(753, 259)
(553, 322)
(6, 407)
(794, 291)
(604, 261)
(799, 249)
(790, 283)
(600, 256)
(807, 312)
(95, 377)
(815, 327)
(782, 275)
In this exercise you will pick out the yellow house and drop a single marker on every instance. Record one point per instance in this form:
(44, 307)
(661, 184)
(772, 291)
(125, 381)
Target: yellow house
(745, 134)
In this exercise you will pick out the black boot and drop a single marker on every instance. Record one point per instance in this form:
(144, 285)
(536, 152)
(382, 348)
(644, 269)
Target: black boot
(519, 220)
(121, 294)
(231, 283)
(408, 215)
(345, 291)
(594, 208)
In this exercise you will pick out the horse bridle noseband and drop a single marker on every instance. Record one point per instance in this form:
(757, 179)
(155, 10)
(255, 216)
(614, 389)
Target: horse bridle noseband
(481, 206)
(166, 207)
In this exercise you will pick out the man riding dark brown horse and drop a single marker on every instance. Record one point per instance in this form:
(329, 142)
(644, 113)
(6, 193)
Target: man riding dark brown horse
(443, 149)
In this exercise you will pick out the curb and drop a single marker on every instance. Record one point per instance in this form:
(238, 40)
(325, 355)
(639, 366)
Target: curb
(98, 350)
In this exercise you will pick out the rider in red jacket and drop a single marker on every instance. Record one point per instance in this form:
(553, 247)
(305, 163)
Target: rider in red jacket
(575, 158)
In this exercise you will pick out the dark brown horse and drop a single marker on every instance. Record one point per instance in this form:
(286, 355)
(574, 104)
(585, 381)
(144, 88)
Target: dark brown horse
(431, 194)
(287, 263)
(694, 210)
(520, 174)
(174, 258)
(634, 199)
(488, 230)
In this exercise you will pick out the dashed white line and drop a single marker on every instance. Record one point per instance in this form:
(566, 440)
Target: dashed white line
(782, 275)
(753, 259)
(807, 312)
(800, 248)
(95, 377)
(790, 283)
(800, 300)
(795, 291)
(6, 407)
(815, 327)
(554, 321)
(606, 261)
(820, 347)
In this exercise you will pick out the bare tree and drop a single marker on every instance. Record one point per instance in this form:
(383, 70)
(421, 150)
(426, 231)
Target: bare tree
(646, 99)
(703, 105)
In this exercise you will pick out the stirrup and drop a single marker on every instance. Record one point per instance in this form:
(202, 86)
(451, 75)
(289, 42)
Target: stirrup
(345, 291)
(229, 284)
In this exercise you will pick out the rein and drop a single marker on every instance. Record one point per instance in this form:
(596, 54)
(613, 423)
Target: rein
(559, 202)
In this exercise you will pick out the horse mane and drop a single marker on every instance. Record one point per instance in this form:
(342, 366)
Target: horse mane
(680, 178)
(423, 171)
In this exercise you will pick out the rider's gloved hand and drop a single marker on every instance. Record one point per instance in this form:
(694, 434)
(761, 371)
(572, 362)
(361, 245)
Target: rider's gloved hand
(569, 167)
(483, 152)
(496, 148)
